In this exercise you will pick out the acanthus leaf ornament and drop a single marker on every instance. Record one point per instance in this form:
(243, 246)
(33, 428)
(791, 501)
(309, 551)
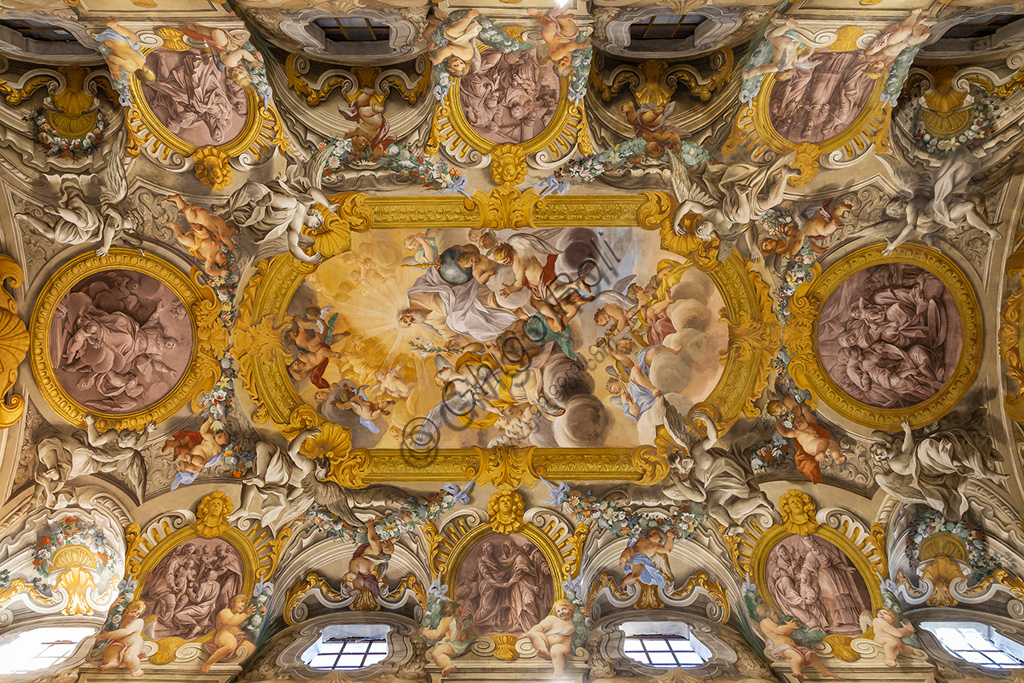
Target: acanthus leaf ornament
(505, 467)
(14, 343)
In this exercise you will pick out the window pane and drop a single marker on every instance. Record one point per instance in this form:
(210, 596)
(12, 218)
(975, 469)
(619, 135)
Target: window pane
(952, 639)
(653, 645)
(972, 656)
(331, 647)
(356, 647)
(323, 661)
(977, 640)
(1002, 658)
(689, 659)
(350, 662)
(662, 659)
(374, 658)
(632, 645)
(379, 646)
(681, 645)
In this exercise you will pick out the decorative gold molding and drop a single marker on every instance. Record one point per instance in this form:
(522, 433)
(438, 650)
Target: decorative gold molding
(260, 552)
(1009, 335)
(19, 586)
(15, 96)
(209, 337)
(462, 539)
(297, 593)
(806, 368)
(750, 550)
(14, 342)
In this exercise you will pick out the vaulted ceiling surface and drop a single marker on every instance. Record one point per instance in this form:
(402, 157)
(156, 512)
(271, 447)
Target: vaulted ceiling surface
(592, 341)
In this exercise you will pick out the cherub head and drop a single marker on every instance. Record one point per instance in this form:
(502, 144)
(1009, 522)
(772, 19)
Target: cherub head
(134, 610)
(797, 509)
(504, 253)
(601, 317)
(704, 231)
(237, 603)
(614, 387)
(483, 238)
(563, 609)
(221, 437)
(563, 66)
(885, 615)
(239, 75)
(456, 66)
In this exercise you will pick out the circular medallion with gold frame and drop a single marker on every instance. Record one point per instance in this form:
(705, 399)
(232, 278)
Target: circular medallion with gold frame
(882, 338)
(127, 338)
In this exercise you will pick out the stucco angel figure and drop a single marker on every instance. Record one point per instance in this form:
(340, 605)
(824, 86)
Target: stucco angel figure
(63, 458)
(284, 483)
(75, 220)
(934, 467)
(934, 201)
(728, 198)
(283, 206)
(715, 477)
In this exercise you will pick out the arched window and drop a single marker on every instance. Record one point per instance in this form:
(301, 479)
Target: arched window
(663, 644)
(348, 647)
(977, 643)
(40, 648)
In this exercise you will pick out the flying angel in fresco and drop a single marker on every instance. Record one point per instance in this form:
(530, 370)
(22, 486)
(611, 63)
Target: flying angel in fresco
(728, 199)
(715, 477)
(934, 202)
(76, 221)
(284, 206)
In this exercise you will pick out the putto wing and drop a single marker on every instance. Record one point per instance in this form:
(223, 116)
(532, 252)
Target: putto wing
(676, 427)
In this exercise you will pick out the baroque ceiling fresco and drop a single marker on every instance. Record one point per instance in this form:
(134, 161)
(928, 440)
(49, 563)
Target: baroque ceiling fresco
(608, 341)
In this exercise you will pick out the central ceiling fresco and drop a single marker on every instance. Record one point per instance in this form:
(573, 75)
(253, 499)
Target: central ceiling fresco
(608, 341)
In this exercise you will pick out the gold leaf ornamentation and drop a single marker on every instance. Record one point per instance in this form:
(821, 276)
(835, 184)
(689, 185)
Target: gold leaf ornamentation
(212, 515)
(805, 161)
(508, 165)
(213, 168)
(14, 343)
(505, 467)
(798, 512)
(841, 647)
(505, 511)
(210, 337)
(714, 589)
(651, 463)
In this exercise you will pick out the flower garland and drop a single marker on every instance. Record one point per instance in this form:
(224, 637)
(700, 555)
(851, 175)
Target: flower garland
(983, 126)
(394, 523)
(981, 559)
(72, 531)
(402, 161)
(218, 400)
(56, 144)
(622, 520)
(261, 594)
(585, 169)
